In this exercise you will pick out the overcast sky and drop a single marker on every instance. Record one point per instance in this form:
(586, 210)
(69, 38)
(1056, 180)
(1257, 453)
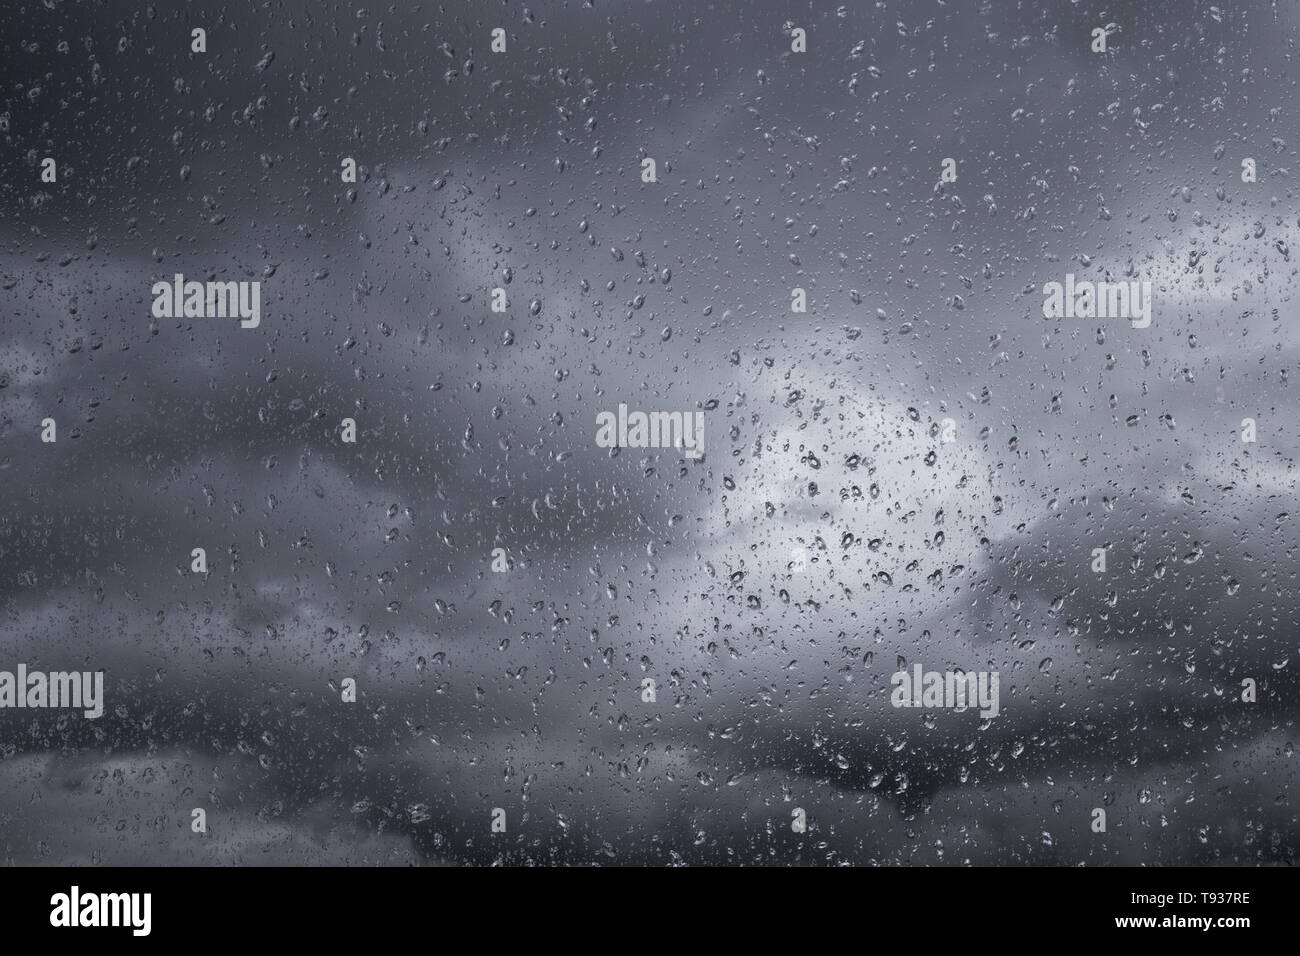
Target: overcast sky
(476, 430)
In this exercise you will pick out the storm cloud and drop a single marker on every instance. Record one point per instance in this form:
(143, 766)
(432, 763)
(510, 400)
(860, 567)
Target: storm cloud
(826, 430)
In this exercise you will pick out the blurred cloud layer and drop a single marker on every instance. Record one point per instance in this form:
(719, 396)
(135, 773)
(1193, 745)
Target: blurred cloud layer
(476, 430)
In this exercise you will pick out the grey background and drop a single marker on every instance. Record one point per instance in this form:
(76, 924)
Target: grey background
(521, 690)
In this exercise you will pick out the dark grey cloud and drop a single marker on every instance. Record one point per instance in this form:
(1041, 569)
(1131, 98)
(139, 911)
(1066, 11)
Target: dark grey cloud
(477, 430)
